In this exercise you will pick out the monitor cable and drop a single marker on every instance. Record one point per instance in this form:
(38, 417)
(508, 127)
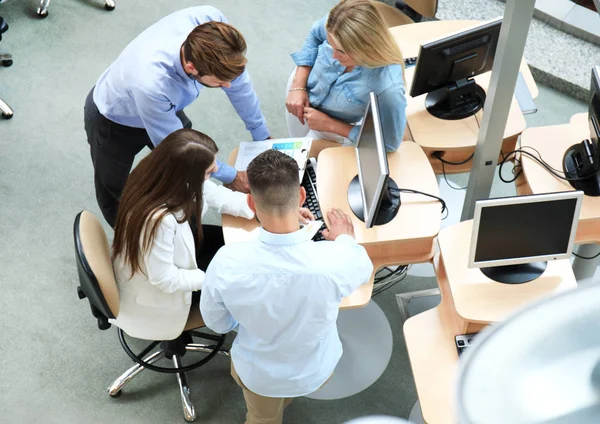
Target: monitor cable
(525, 150)
(388, 281)
(409, 190)
(438, 156)
(586, 257)
(444, 162)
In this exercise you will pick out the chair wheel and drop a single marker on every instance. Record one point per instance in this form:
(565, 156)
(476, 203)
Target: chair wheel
(109, 7)
(116, 395)
(7, 62)
(42, 14)
(5, 116)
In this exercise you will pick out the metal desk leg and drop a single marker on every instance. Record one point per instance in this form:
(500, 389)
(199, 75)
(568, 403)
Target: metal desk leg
(584, 269)
(367, 340)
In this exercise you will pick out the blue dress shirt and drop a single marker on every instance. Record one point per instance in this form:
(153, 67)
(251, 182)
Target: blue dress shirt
(146, 85)
(344, 96)
(283, 292)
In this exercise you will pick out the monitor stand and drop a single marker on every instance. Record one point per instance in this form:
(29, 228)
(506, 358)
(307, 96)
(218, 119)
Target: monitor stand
(515, 274)
(460, 100)
(581, 161)
(389, 203)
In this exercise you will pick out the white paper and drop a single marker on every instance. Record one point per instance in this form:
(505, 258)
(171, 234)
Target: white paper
(297, 148)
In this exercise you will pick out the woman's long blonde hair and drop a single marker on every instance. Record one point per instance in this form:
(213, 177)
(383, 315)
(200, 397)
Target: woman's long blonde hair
(358, 28)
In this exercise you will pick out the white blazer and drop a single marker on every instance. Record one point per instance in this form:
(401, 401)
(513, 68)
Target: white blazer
(155, 303)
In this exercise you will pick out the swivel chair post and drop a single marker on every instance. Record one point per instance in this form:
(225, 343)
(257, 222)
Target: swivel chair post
(42, 11)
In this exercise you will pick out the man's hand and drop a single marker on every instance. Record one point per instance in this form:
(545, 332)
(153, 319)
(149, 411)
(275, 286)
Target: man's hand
(240, 183)
(296, 102)
(305, 215)
(317, 120)
(339, 223)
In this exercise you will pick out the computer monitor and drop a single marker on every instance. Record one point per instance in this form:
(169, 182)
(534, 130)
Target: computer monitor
(445, 68)
(581, 162)
(514, 237)
(370, 192)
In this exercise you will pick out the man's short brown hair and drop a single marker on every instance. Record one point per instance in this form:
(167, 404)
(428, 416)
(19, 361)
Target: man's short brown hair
(274, 184)
(216, 49)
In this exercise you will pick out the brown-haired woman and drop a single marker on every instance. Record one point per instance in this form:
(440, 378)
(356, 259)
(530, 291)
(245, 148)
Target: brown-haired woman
(154, 253)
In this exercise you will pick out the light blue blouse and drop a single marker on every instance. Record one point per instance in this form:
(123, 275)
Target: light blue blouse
(345, 96)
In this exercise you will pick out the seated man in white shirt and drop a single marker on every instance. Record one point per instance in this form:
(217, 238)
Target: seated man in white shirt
(282, 292)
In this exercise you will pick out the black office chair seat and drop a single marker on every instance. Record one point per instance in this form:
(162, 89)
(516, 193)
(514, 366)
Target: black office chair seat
(98, 285)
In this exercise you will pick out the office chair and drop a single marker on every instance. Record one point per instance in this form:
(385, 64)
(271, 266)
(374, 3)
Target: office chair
(5, 60)
(406, 12)
(98, 285)
(42, 11)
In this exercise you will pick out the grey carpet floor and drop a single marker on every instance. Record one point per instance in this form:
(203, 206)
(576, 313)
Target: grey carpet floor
(54, 363)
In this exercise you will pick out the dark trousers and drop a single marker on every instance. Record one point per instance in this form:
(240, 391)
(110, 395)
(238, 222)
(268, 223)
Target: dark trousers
(212, 236)
(113, 148)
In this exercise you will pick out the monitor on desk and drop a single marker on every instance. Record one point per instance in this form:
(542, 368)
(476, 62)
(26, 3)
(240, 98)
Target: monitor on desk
(514, 237)
(581, 162)
(372, 194)
(446, 67)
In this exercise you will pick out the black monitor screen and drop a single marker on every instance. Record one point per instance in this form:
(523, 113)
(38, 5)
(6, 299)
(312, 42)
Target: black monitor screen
(524, 230)
(594, 107)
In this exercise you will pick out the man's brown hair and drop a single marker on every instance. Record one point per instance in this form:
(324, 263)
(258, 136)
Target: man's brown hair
(274, 184)
(216, 49)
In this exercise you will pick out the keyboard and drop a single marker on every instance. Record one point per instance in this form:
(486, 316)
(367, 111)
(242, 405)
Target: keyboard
(309, 182)
(410, 61)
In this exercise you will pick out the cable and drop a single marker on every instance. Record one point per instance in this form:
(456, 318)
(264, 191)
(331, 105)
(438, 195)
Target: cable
(557, 173)
(444, 162)
(477, 119)
(586, 257)
(439, 199)
(389, 286)
(401, 272)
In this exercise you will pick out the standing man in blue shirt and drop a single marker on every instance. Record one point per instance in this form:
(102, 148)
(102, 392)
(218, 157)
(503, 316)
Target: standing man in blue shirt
(282, 292)
(140, 98)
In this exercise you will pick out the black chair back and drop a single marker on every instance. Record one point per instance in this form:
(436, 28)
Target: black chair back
(94, 267)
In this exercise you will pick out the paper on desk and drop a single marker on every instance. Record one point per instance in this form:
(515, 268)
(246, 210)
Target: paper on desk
(297, 148)
(312, 227)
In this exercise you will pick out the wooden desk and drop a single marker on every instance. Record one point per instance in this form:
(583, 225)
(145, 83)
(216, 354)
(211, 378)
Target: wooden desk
(406, 239)
(552, 142)
(456, 139)
(469, 302)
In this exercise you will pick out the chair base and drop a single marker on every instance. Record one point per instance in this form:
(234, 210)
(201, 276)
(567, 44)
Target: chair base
(6, 110)
(189, 411)
(42, 10)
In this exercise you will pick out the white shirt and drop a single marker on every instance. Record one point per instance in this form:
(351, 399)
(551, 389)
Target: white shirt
(284, 293)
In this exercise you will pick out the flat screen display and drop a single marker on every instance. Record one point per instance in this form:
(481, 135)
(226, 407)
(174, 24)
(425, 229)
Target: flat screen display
(525, 230)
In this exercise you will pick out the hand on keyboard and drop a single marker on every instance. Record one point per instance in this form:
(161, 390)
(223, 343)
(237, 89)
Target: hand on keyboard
(305, 215)
(339, 223)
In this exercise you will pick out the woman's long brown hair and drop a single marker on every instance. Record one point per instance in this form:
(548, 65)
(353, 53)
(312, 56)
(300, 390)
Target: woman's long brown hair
(168, 180)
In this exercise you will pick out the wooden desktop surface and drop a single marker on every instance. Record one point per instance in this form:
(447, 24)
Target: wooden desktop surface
(552, 142)
(406, 239)
(465, 294)
(456, 139)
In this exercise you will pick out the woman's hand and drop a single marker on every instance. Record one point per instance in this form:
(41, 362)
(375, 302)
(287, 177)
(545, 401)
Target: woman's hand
(305, 215)
(317, 120)
(296, 102)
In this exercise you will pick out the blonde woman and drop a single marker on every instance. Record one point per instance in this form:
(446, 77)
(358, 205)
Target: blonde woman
(346, 55)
